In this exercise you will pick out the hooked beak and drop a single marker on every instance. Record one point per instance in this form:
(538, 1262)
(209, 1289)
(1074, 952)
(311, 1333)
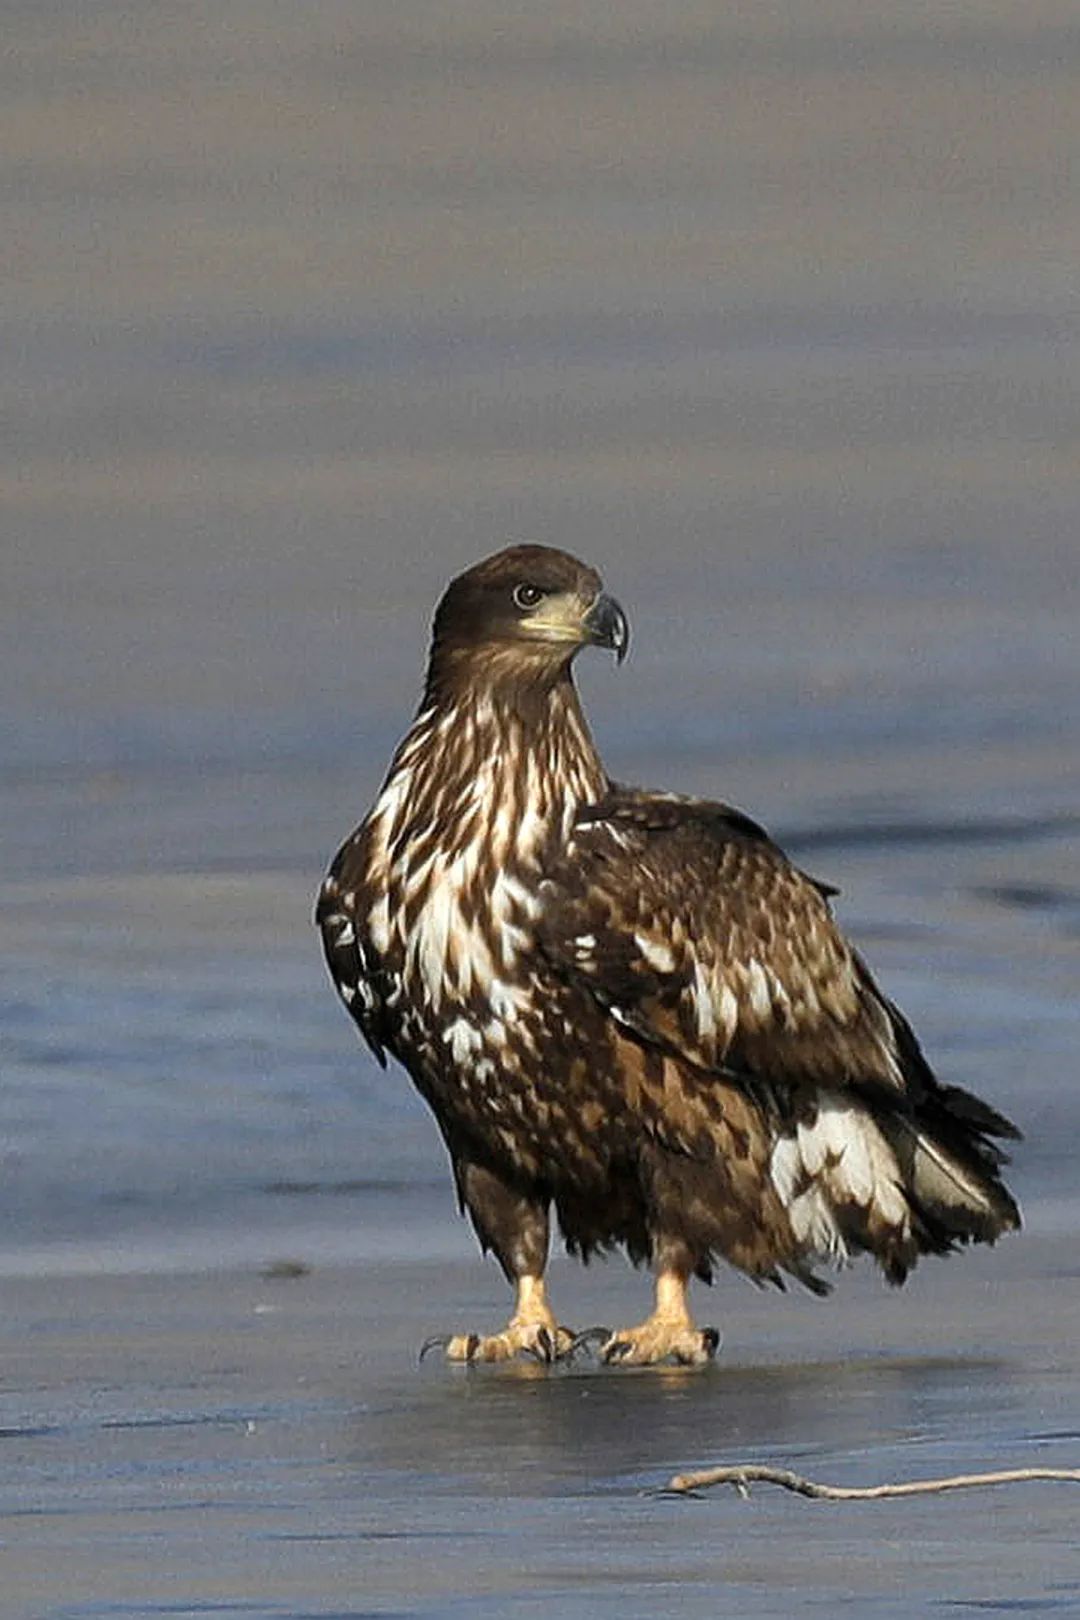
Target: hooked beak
(608, 626)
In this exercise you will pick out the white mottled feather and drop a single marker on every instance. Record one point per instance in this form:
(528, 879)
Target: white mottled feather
(757, 985)
(841, 1159)
(814, 1225)
(727, 1010)
(656, 953)
(704, 1008)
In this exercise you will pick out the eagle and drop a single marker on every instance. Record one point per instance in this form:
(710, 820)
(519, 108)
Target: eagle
(628, 1009)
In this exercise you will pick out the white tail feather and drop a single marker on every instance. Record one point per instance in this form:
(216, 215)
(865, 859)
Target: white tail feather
(837, 1173)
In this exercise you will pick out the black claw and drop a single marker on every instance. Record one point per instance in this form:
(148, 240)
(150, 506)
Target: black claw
(544, 1349)
(438, 1341)
(616, 1351)
(588, 1338)
(710, 1338)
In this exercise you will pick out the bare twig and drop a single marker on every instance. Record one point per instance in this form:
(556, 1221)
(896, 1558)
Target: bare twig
(742, 1475)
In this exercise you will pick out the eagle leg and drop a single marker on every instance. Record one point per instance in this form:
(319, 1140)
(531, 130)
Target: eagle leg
(669, 1334)
(532, 1330)
(513, 1224)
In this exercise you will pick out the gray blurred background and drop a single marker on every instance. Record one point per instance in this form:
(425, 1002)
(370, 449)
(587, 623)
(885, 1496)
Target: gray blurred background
(768, 309)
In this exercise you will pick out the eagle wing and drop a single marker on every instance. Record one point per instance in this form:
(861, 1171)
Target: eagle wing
(700, 938)
(696, 932)
(353, 963)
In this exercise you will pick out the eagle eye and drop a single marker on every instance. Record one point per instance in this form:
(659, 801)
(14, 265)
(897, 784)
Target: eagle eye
(527, 596)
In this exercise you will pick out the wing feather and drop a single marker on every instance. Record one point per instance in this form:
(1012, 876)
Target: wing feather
(695, 930)
(339, 912)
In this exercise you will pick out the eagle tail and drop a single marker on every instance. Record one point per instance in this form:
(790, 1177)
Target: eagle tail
(862, 1174)
(950, 1166)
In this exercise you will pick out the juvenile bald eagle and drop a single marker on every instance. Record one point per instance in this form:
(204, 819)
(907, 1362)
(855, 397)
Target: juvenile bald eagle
(628, 1007)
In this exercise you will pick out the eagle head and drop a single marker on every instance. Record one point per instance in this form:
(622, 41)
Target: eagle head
(525, 613)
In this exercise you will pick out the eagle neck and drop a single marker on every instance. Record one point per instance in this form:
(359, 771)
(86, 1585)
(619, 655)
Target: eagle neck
(482, 764)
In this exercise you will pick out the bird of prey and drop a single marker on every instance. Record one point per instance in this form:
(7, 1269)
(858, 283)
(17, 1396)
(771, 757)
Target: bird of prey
(628, 1008)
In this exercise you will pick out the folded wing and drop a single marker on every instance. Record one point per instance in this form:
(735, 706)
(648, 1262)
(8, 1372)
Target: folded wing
(698, 935)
